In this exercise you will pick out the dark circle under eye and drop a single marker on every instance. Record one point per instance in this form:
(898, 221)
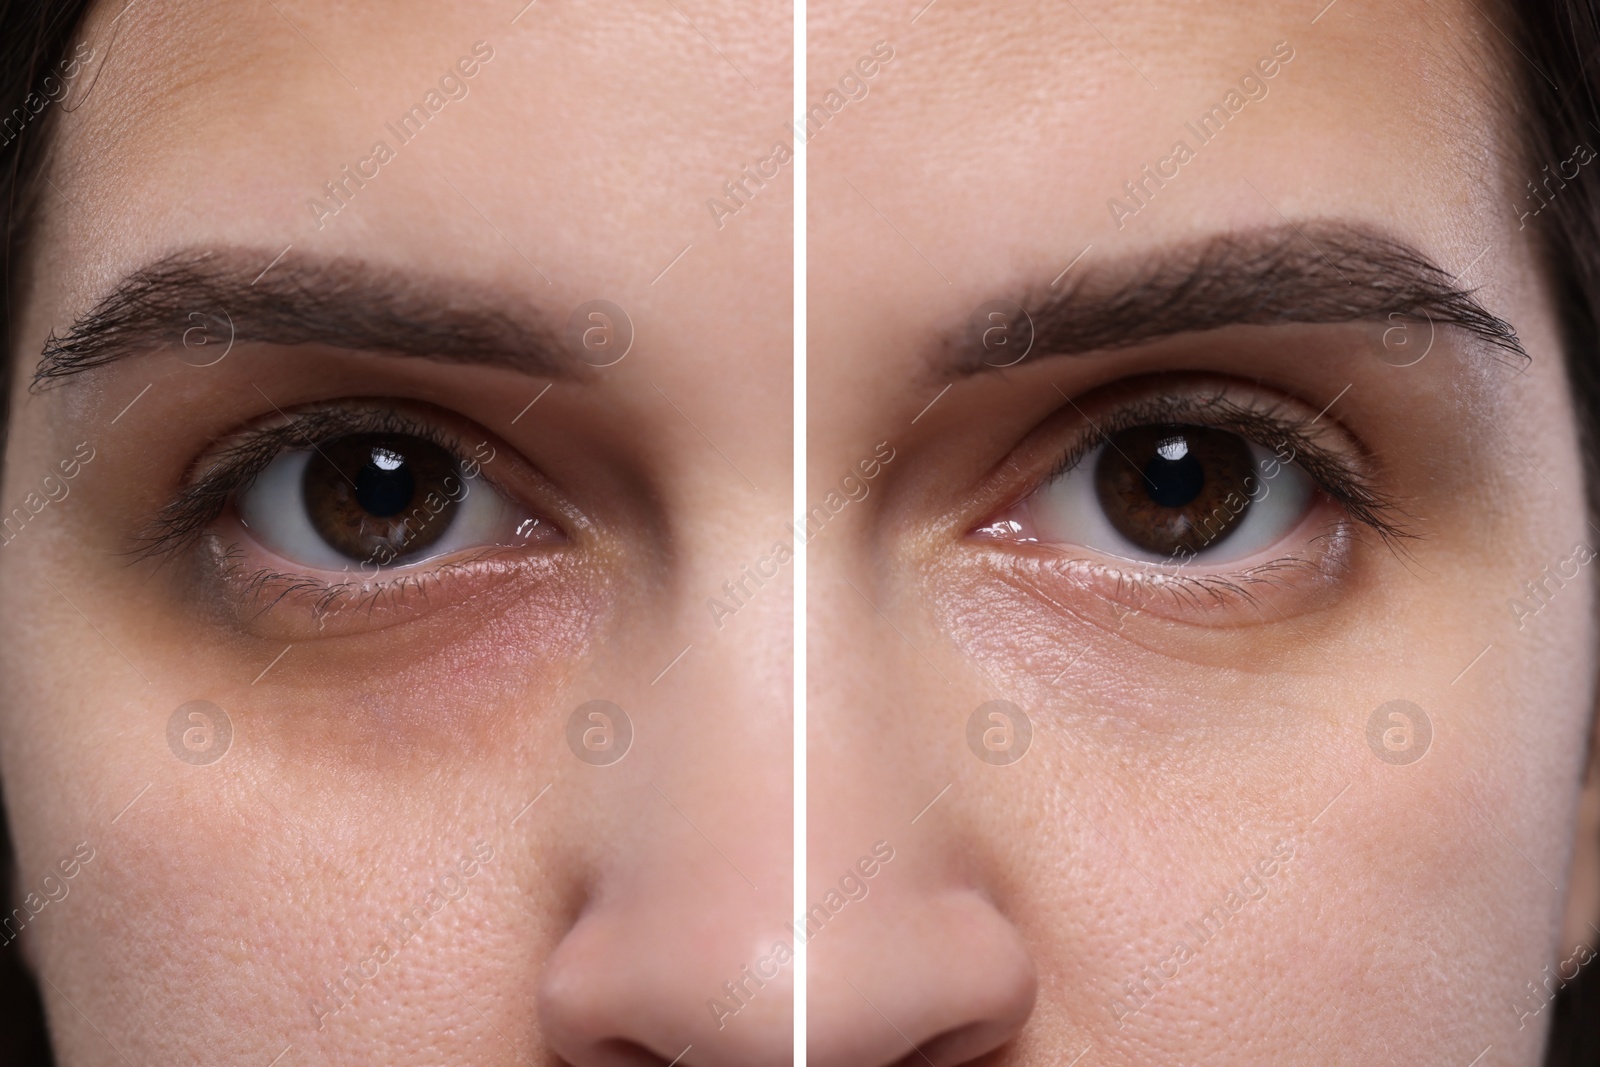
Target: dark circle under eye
(1174, 489)
(381, 497)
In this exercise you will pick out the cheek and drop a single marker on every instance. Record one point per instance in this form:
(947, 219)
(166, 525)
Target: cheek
(1187, 755)
(260, 893)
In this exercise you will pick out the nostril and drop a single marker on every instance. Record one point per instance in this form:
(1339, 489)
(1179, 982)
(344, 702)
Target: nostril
(945, 980)
(622, 1053)
(960, 1046)
(619, 989)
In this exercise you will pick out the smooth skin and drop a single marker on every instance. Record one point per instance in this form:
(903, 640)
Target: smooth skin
(380, 757)
(1383, 912)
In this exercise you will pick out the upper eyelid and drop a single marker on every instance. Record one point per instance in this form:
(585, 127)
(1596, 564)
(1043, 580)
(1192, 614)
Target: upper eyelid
(1235, 417)
(1344, 481)
(311, 428)
(232, 468)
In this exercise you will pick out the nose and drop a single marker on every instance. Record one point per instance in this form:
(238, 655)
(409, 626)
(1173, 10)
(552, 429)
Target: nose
(940, 977)
(679, 950)
(680, 953)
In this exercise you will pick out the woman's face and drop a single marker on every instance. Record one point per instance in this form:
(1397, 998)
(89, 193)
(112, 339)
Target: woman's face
(430, 505)
(1202, 829)
(1199, 629)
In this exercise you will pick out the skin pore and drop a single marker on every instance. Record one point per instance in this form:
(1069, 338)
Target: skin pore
(400, 730)
(1208, 853)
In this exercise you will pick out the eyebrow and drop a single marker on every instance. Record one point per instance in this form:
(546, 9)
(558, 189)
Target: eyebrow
(1325, 272)
(342, 303)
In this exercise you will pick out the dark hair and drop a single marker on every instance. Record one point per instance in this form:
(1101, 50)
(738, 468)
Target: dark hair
(1556, 45)
(1558, 81)
(1559, 76)
(33, 37)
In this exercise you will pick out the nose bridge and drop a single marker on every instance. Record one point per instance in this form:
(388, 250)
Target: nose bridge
(909, 956)
(680, 952)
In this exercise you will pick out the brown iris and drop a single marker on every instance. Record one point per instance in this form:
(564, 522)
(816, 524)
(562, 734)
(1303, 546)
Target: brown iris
(378, 497)
(1174, 489)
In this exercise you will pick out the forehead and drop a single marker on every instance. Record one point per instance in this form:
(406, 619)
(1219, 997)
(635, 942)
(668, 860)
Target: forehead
(997, 140)
(591, 138)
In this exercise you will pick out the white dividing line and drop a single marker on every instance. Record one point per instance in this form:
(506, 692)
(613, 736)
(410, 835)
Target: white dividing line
(132, 402)
(132, 802)
(1063, 274)
(931, 803)
(674, 263)
(274, 263)
(799, 835)
(1475, 659)
(932, 402)
(1332, 402)
(532, 402)
(1457, 278)
(530, 804)
(1330, 804)
(673, 664)
(273, 664)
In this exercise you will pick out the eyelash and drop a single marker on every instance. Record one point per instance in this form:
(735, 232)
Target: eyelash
(326, 599)
(180, 524)
(1343, 482)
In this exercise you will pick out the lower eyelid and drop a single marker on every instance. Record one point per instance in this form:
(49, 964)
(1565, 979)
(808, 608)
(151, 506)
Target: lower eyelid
(1271, 587)
(270, 599)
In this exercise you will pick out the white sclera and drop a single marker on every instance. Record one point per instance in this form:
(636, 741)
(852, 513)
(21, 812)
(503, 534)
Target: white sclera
(273, 509)
(1069, 511)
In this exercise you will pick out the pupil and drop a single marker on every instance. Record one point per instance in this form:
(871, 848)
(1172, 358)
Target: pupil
(385, 485)
(381, 497)
(1174, 482)
(1174, 488)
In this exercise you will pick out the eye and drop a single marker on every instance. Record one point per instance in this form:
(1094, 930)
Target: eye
(379, 499)
(1163, 491)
